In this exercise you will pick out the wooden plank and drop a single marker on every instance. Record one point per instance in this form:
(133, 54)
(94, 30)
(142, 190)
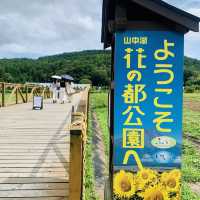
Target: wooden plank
(33, 170)
(33, 165)
(36, 198)
(36, 186)
(34, 152)
(35, 175)
(31, 151)
(33, 146)
(32, 141)
(52, 157)
(31, 134)
(36, 161)
(32, 180)
(34, 193)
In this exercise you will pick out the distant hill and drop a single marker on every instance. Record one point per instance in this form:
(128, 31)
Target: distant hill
(84, 66)
(192, 64)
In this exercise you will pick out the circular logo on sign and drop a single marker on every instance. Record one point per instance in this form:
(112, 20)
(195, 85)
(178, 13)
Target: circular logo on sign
(163, 157)
(163, 142)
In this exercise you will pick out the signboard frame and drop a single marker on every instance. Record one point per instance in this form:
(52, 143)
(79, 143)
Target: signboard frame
(119, 74)
(38, 105)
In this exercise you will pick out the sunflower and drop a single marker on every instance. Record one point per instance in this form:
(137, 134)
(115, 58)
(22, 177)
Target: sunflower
(171, 180)
(177, 197)
(176, 172)
(156, 192)
(124, 184)
(144, 177)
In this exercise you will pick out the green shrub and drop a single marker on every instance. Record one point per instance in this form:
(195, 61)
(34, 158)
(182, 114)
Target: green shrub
(190, 89)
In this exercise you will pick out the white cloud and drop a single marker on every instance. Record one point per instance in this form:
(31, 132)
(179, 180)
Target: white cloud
(192, 40)
(195, 11)
(42, 27)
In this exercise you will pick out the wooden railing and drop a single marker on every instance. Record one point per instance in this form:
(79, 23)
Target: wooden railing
(11, 93)
(78, 136)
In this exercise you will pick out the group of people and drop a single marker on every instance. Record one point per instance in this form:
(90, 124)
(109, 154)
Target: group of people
(61, 91)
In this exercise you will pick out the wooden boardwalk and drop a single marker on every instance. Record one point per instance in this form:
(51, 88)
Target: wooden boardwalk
(34, 151)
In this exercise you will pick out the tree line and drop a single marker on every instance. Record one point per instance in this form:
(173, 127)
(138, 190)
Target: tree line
(86, 67)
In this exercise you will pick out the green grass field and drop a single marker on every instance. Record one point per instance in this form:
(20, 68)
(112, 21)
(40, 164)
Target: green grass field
(192, 96)
(100, 107)
(89, 192)
(191, 123)
(10, 99)
(191, 120)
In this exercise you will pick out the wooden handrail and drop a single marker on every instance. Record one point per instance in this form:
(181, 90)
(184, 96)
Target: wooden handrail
(14, 93)
(78, 137)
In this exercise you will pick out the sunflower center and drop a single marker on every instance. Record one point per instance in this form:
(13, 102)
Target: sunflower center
(156, 196)
(171, 183)
(125, 186)
(145, 176)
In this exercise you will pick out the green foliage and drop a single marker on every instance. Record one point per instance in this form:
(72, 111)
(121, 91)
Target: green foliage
(187, 193)
(192, 74)
(89, 185)
(100, 107)
(100, 100)
(191, 123)
(92, 65)
(192, 64)
(191, 120)
(191, 163)
(192, 97)
(190, 89)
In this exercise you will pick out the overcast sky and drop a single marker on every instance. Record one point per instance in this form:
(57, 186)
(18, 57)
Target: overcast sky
(33, 28)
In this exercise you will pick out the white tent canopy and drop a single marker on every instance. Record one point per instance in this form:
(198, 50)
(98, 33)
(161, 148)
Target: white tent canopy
(56, 77)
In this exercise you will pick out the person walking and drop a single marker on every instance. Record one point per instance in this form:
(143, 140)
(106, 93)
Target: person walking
(63, 96)
(54, 91)
(56, 88)
(68, 91)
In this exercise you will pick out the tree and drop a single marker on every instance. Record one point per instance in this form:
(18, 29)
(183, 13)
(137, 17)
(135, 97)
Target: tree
(100, 78)
(92, 65)
(8, 78)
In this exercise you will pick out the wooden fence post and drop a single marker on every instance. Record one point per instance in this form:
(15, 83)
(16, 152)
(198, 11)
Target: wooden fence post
(26, 88)
(16, 93)
(78, 137)
(76, 165)
(3, 95)
(20, 93)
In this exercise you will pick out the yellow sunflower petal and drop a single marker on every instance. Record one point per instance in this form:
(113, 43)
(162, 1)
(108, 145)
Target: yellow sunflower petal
(171, 180)
(124, 184)
(156, 192)
(145, 177)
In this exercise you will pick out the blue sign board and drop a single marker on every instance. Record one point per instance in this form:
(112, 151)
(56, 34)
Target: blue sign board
(148, 99)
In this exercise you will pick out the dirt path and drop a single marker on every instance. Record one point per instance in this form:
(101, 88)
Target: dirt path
(99, 158)
(194, 141)
(192, 105)
(195, 187)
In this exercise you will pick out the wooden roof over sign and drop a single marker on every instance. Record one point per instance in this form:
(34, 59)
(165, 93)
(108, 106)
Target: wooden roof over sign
(140, 14)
